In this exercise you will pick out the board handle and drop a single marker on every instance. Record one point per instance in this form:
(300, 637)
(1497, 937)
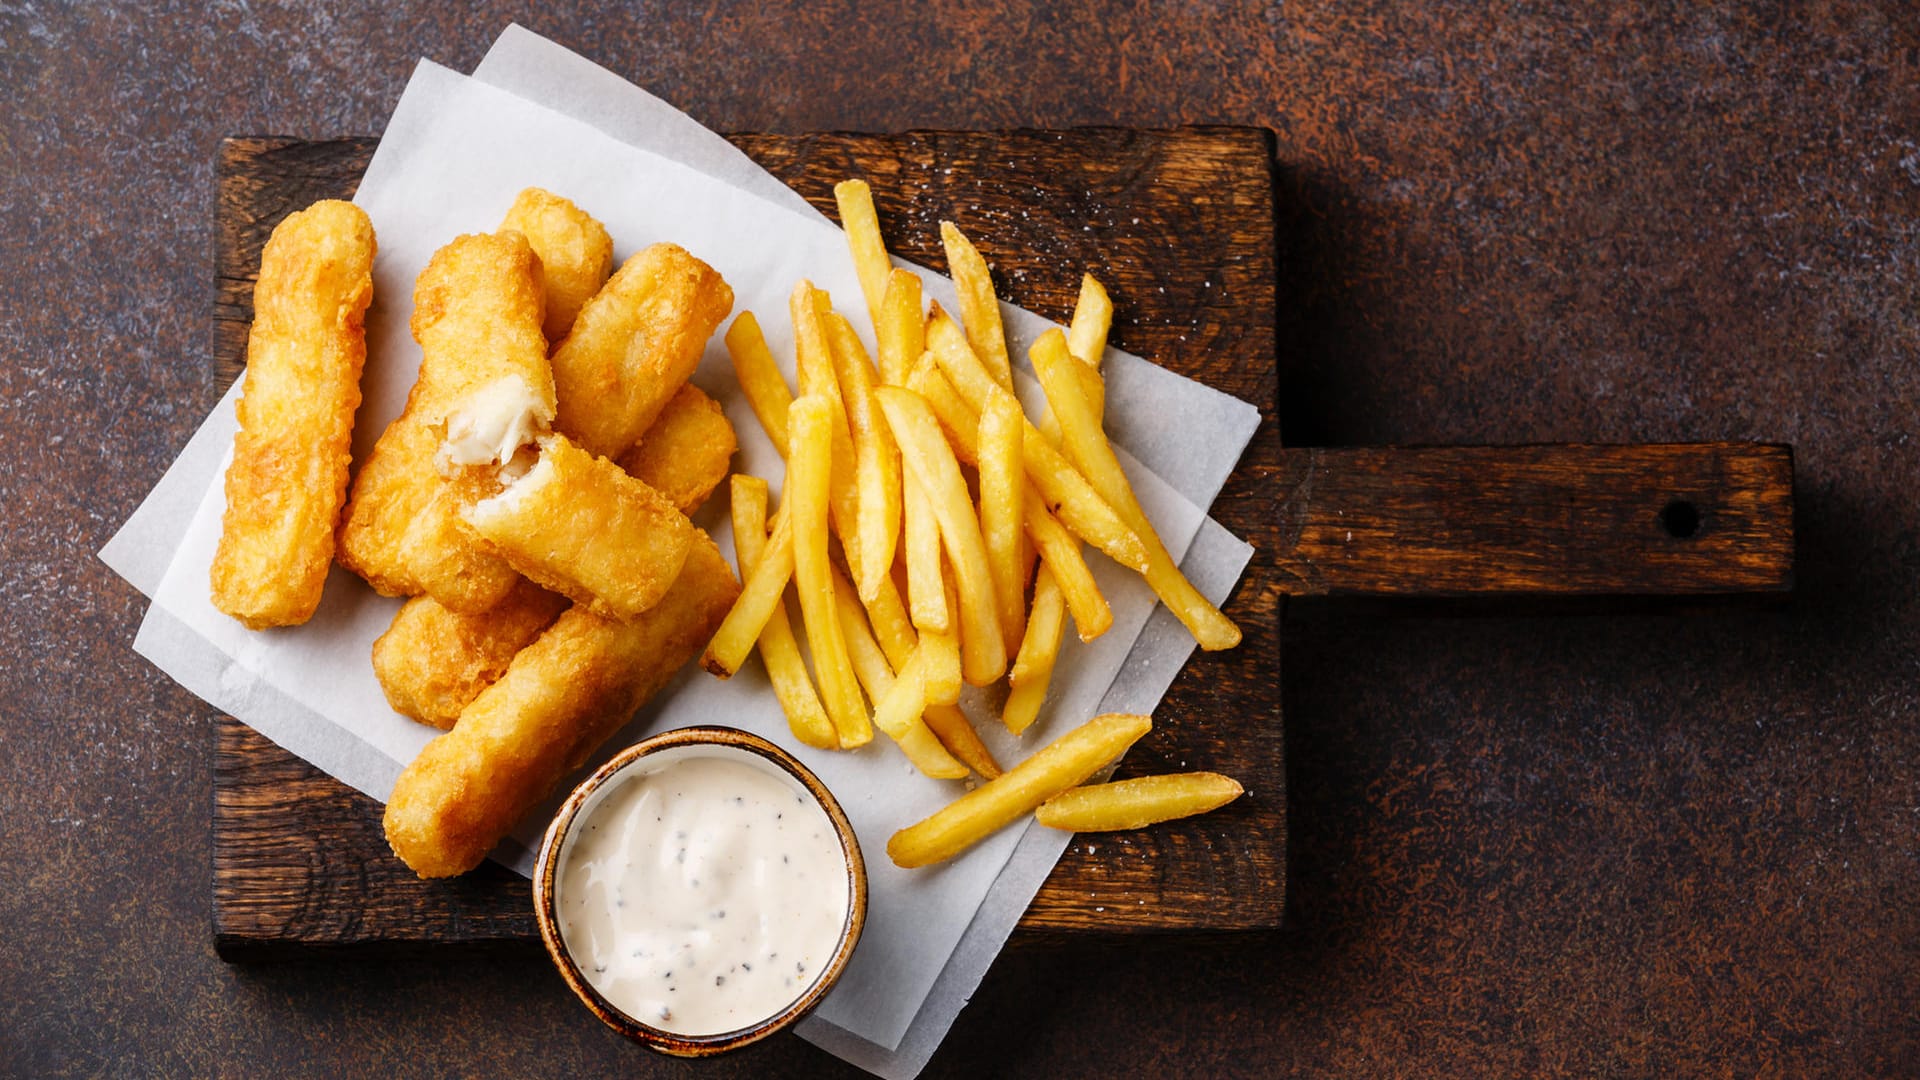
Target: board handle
(1683, 519)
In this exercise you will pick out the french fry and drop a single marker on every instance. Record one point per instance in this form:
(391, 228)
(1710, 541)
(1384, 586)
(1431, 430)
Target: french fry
(904, 705)
(1033, 667)
(1054, 768)
(813, 360)
(926, 454)
(926, 596)
(900, 328)
(1088, 448)
(1002, 494)
(956, 733)
(778, 650)
(760, 379)
(1087, 341)
(766, 585)
(1052, 541)
(888, 616)
(862, 226)
(943, 655)
(1137, 803)
(1078, 506)
(876, 459)
(979, 308)
(810, 427)
(1060, 552)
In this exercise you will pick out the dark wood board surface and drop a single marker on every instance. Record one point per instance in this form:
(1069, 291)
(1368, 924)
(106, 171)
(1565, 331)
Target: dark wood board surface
(299, 860)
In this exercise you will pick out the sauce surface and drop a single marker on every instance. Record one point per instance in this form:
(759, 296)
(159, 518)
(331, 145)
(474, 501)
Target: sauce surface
(704, 895)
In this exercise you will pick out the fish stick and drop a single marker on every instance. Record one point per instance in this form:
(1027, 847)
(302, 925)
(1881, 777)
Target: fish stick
(688, 450)
(559, 700)
(578, 525)
(288, 478)
(576, 254)
(633, 344)
(431, 662)
(485, 387)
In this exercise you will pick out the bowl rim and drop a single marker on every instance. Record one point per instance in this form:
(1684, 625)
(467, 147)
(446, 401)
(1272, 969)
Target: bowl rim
(732, 740)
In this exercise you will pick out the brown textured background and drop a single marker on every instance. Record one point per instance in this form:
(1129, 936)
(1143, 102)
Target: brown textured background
(1623, 845)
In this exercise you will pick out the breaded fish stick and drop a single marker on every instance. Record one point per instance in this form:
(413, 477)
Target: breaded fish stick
(633, 344)
(580, 526)
(576, 254)
(289, 472)
(486, 385)
(559, 700)
(431, 662)
(687, 452)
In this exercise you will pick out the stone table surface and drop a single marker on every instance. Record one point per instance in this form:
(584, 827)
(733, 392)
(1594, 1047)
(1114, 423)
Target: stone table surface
(1606, 845)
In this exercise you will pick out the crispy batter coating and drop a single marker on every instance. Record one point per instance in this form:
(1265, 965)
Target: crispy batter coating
(432, 662)
(580, 526)
(559, 700)
(633, 344)
(688, 450)
(477, 314)
(290, 456)
(576, 254)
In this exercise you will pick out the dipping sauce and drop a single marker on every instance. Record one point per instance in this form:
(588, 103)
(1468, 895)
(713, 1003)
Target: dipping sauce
(702, 893)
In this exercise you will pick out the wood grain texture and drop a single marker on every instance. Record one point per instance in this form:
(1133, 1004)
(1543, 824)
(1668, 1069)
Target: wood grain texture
(299, 860)
(1544, 521)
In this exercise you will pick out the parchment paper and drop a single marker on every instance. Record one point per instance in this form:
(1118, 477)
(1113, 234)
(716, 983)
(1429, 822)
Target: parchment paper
(453, 157)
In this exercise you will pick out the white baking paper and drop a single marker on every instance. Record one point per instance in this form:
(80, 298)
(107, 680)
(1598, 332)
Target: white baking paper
(451, 161)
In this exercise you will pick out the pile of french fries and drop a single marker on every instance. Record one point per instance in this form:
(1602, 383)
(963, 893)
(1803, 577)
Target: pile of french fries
(932, 587)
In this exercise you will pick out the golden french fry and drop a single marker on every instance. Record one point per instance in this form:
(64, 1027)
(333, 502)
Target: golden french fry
(890, 622)
(927, 456)
(1088, 447)
(957, 418)
(766, 585)
(862, 226)
(559, 699)
(1087, 341)
(943, 655)
(288, 480)
(813, 359)
(901, 721)
(1033, 668)
(576, 254)
(1054, 768)
(979, 308)
(876, 459)
(580, 526)
(956, 733)
(633, 344)
(760, 379)
(432, 662)
(1060, 552)
(1002, 495)
(926, 597)
(687, 451)
(1078, 506)
(1137, 803)
(900, 329)
(778, 650)
(810, 427)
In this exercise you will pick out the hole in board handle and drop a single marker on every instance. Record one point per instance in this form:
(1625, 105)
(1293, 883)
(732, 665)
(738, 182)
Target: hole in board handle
(1681, 519)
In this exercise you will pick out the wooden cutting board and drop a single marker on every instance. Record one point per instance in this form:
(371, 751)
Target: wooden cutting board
(1180, 225)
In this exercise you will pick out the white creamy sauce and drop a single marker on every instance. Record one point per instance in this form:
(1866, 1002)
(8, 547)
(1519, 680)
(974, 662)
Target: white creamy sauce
(704, 896)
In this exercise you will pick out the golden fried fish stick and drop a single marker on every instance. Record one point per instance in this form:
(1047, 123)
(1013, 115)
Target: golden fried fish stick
(576, 254)
(289, 473)
(580, 526)
(485, 384)
(687, 452)
(431, 662)
(633, 344)
(562, 697)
